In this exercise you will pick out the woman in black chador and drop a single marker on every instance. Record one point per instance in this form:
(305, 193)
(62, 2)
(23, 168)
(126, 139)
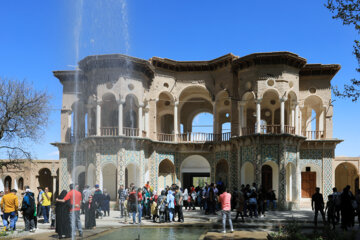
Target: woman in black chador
(90, 209)
(62, 222)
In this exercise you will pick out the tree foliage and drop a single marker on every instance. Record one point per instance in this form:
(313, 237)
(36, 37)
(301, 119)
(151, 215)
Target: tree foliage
(348, 11)
(24, 115)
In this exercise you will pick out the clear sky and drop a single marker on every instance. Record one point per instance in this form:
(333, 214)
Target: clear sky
(38, 37)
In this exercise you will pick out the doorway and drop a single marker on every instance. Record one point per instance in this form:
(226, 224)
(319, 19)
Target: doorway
(308, 184)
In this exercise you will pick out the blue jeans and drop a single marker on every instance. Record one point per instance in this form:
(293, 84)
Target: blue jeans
(75, 222)
(268, 204)
(45, 212)
(226, 215)
(139, 212)
(12, 220)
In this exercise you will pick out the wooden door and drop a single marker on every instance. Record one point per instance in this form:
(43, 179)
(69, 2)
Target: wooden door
(266, 177)
(308, 184)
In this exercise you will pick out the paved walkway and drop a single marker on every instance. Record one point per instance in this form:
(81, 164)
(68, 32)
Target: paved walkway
(192, 218)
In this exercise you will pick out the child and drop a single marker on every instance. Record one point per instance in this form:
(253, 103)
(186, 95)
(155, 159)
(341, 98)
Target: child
(53, 217)
(330, 208)
(154, 210)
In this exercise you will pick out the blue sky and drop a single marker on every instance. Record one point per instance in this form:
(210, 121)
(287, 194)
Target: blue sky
(39, 37)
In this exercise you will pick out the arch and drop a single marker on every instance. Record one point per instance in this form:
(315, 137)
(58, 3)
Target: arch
(132, 175)
(166, 94)
(346, 174)
(194, 168)
(130, 116)
(109, 111)
(290, 182)
(271, 92)
(166, 175)
(291, 95)
(45, 179)
(311, 176)
(189, 91)
(247, 173)
(77, 119)
(21, 183)
(222, 172)
(90, 175)
(248, 96)
(109, 173)
(275, 175)
(7, 183)
(202, 122)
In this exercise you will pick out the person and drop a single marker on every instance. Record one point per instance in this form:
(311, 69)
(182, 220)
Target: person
(330, 210)
(153, 206)
(317, 201)
(139, 204)
(97, 198)
(185, 198)
(240, 201)
(105, 203)
(122, 196)
(271, 198)
(133, 204)
(171, 205)
(9, 206)
(346, 208)
(52, 216)
(211, 199)
(85, 195)
(90, 209)
(179, 204)
(161, 203)
(75, 200)
(45, 204)
(1, 213)
(62, 221)
(147, 185)
(126, 207)
(39, 200)
(357, 199)
(337, 201)
(28, 209)
(253, 203)
(225, 201)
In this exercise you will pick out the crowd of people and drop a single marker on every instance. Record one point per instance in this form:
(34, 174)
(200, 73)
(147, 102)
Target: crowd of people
(137, 203)
(341, 208)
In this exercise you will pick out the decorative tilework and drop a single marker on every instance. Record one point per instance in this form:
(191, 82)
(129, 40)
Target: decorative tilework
(328, 171)
(158, 158)
(269, 152)
(233, 169)
(282, 176)
(132, 157)
(291, 154)
(248, 154)
(64, 174)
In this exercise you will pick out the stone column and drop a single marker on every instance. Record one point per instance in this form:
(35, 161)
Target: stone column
(88, 130)
(258, 115)
(140, 119)
(147, 121)
(215, 122)
(241, 117)
(176, 120)
(54, 185)
(282, 114)
(322, 120)
(297, 119)
(98, 118)
(282, 177)
(65, 125)
(120, 117)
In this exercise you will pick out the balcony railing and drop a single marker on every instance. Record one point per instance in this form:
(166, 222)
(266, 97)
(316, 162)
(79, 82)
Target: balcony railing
(131, 132)
(312, 135)
(109, 131)
(268, 129)
(165, 137)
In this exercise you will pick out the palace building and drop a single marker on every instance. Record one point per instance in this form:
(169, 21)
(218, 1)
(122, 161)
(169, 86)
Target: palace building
(125, 119)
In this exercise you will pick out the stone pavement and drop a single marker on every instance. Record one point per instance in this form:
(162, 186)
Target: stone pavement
(192, 218)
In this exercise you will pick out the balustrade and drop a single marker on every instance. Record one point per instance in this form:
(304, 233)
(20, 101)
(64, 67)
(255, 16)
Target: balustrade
(312, 135)
(109, 131)
(131, 132)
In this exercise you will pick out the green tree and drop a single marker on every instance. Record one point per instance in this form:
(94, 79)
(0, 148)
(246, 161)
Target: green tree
(348, 11)
(24, 115)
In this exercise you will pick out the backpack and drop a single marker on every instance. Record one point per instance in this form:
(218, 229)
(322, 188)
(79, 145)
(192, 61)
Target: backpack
(29, 208)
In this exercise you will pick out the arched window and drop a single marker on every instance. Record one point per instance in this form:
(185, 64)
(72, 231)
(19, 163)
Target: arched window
(21, 184)
(7, 183)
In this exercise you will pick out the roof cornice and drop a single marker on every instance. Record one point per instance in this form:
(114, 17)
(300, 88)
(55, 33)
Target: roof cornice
(117, 60)
(191, 66)
(268, 58)
(320, 69)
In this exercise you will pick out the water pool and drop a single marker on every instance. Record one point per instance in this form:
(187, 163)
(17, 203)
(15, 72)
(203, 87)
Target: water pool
(154, 233)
